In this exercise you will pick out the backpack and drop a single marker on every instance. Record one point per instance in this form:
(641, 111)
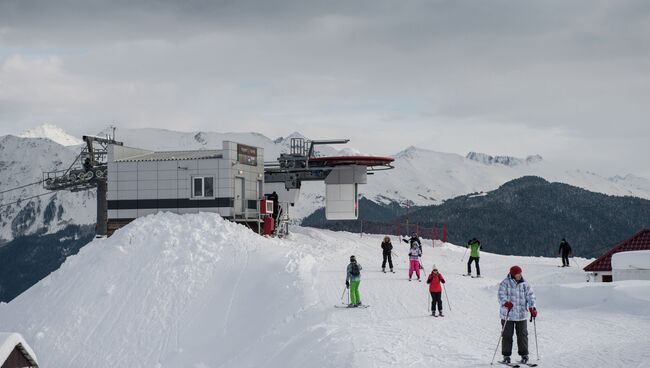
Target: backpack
(354, 270)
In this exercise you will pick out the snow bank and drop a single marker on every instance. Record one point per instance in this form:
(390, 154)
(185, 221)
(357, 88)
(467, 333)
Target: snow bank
(171, 291)
(197, 291)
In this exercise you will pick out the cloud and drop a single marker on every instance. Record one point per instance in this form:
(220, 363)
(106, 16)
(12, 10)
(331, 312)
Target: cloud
(550, 77)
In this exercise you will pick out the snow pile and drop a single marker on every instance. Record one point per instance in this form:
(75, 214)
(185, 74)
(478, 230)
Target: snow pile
(51, 132)
(196, 291)
(171, 291)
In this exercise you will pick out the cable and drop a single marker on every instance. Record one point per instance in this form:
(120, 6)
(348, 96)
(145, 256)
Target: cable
(22, 186)
(24, 199)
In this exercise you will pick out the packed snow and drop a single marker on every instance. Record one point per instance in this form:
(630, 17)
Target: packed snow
(197, 291)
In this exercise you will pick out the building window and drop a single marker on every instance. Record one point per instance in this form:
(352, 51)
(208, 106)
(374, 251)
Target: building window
(202, 187)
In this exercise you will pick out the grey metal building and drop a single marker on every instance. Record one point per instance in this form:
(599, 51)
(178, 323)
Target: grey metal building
(140, 182)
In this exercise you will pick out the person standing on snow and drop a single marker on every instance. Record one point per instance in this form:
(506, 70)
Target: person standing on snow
(387, 250)
(474, 255)
(516, 297)
(435, 281)
(565, 252)
(414, 260)
(352, 280)
(415, 238)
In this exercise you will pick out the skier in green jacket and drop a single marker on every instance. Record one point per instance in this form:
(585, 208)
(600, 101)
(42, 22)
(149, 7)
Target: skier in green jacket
(352, 280)
(475, 246)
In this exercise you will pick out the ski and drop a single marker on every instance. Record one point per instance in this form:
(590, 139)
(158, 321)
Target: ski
(530, 364)
(515, 365)
(468, 274)
(348, 307)
(476, 277)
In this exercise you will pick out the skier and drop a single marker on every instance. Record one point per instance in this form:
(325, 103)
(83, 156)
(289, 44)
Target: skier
(435, 281)
(276, 204)
(352, 280)
(414, 260)
(415, 238)
(474, 256)
(565, 252)
(387, 250)
(515, 297)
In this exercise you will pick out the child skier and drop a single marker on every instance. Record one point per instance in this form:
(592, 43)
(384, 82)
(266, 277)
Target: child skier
(435, 281)
(515, 298)
(387, 250)
(414, 260)
(352, 280)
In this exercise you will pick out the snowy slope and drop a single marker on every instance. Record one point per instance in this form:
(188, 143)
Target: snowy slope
(51, 132)
(22, 161)
(196, 291)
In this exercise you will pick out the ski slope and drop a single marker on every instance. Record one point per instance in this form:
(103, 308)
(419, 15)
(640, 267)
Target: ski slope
(197, 291)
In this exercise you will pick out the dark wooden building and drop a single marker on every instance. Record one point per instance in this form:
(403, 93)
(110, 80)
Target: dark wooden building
(15, 353)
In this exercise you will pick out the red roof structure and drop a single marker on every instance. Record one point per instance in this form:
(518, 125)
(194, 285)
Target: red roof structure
(639, 241)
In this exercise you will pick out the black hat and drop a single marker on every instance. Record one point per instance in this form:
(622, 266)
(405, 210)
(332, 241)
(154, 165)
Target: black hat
(353, 259)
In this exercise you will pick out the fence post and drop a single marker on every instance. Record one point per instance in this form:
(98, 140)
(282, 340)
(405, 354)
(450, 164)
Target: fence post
(361, 229)
(444, 233)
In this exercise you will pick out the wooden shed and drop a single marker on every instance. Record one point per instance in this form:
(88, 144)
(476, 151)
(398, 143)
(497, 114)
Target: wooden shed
(15, 353)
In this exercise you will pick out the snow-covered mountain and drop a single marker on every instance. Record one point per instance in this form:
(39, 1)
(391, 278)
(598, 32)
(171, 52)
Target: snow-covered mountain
(22, 162)
(420, 177)
(426, 177)
(52, 132)
(148, 297)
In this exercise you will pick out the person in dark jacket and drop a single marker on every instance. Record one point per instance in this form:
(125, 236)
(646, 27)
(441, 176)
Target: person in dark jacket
(565, 252)
(387, 251)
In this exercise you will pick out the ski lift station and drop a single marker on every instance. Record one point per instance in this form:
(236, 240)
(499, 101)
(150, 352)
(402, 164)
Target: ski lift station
(234, 182)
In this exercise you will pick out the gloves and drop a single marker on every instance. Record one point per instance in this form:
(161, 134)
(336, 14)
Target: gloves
(347, 284)
(442, 280)
(508, 305)
(533, 312)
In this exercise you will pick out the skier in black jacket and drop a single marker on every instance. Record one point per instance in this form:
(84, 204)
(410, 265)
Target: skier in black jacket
(387, 251)
(565, 252)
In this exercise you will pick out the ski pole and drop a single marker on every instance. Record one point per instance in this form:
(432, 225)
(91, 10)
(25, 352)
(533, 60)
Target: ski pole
(343, 294)
(429, 303)
(535, 328)
(445, 290)
(500, 337)
(464, 254)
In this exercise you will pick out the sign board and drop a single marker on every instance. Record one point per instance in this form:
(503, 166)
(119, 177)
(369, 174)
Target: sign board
(246, 155)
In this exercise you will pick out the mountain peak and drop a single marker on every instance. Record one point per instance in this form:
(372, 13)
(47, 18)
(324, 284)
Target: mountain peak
(51, 132)
(502, 160)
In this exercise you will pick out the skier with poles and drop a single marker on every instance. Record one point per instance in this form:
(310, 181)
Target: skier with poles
(565, 252)
(352, 280)
(415, 238)
(414, 260)
(475, 246)
(435, 281)
(387, 251)
(516, 297)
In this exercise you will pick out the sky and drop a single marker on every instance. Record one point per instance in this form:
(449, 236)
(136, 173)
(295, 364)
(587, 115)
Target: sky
(569, 80)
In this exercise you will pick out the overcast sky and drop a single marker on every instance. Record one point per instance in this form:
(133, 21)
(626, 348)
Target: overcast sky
(569, 80)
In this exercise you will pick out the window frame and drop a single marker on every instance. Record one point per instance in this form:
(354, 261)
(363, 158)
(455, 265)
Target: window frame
(202, 196)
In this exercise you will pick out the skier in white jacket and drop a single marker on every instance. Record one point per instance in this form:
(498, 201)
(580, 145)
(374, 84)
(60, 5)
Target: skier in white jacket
(516, 298)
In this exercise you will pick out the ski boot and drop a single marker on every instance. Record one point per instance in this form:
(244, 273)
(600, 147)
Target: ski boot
(383, 269)
(506, 360)
(524, 359)
(440, 314)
